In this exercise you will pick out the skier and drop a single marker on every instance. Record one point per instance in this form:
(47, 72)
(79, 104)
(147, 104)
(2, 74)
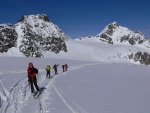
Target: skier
(66, 67)
(48, 67)
(63, 68)
(55, 68)
(32, 78)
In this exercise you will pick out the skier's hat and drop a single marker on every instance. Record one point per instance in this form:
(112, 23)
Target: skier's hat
(30, 64)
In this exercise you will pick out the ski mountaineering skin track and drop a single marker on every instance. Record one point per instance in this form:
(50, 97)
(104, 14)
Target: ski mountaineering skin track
(18, 99)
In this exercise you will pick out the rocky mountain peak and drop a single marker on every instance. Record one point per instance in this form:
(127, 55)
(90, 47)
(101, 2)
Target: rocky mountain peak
(33, 35)
(115, 34)
(113, 25)
(42, 17)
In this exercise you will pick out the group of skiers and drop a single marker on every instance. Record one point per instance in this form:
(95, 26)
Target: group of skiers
(32, 79)
(48, 68)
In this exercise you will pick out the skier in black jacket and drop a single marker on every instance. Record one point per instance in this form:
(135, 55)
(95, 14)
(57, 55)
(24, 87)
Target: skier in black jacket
(55, 68)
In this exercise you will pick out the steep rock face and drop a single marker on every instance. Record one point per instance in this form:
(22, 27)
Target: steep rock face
(8, 37)
(40, 25)
(142, 57)
(38, 34)
(33, 35)
(115, 34)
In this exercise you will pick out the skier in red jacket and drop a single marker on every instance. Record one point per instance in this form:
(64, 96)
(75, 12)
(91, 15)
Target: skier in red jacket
(32, 78)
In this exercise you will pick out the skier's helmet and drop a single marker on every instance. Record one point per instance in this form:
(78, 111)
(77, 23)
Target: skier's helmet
(30, 64)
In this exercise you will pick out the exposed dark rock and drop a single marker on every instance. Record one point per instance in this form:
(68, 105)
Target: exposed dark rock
(8, 37)
(141, 41)
(124, 38)
(130, 56)
(137, 56)
(126, 35)
(33, 44)
(106, 38)
(132, 41)
(44, 17)
(22, 18)
(143, 58)
(55, 45)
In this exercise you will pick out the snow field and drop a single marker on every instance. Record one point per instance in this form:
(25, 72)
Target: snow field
(87, 87)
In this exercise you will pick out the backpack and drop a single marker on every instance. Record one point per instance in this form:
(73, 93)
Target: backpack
(48, 67)
(36, 70)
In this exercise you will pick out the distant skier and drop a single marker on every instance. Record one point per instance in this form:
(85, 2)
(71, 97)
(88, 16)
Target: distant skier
(32, 78)
(63, 68)
(66, 67)
(55, 68)
(48, 67)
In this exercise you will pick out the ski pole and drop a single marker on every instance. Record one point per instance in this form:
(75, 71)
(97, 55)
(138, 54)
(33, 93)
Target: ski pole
(38, 77)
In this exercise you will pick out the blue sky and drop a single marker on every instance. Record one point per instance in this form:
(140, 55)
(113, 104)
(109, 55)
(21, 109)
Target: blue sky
(82, 17)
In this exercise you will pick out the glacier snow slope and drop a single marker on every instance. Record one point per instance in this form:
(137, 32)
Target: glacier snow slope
(87, 87)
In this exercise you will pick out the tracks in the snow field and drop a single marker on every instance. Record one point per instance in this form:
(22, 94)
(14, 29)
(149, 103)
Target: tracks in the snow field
(10, 99)
(19, 96)
(70, 104)
(3, 94)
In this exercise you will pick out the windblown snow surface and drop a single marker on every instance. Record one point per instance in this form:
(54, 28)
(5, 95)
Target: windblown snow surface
(87, 87)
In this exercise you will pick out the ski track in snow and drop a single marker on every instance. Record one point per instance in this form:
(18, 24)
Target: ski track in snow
(73, 107)
(19, 96)
(10, 99)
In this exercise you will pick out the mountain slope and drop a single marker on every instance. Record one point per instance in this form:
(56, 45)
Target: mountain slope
(115, 34)
(118, 35)
(35, 34)
(8, 37)
(86, 87)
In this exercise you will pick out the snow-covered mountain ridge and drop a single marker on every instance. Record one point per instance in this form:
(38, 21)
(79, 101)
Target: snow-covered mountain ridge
(116, 34)
(32, 35)
(36, 36)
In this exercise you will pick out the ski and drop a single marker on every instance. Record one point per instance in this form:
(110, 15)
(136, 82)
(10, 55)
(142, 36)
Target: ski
(36, 95)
